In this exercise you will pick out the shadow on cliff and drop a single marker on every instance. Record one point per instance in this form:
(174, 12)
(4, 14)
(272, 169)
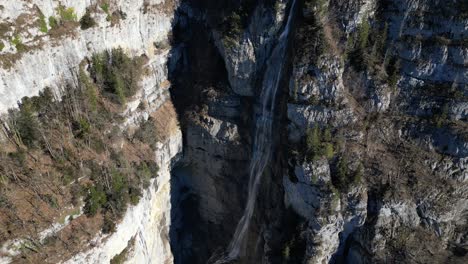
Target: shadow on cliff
(353, 250)
(193, 65)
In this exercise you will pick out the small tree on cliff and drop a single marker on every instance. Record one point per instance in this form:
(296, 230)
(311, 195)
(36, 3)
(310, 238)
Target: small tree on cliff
(313, 143)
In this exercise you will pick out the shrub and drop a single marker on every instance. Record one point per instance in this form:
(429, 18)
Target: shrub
(328, 150)
(153, 167)
(442, 40)
(87, 21)
(318, 143)
(98, 145)
(117, 73)
(286, 252)
(18, 43)
(53, 23)
(95, 200)
(105, 8)
(89, 90)
(108, 226)
(313, 100)
(19, 157)
(393, 71)
(359, 173)
(122, 256)
(440, 115)
(363, 34)
(135, 194)
(378, 48)
(2, 45)
(327, 136)
(349, 47)
(358, 55)
(118, 182)
(67, 14)
(147, 133)
(313, 143)
(27, 124)
(382, 39)
(341, 173)
(51, 200)
(97, 69)
(161, 44)
(42, 23)
(43, 101)
(118, 87)
(235, 24)
(320, 42)
(462, 7)
(118, 195)
(232, 29)
(4, 202)
(146, 171)
(69, 174)
(82, 127)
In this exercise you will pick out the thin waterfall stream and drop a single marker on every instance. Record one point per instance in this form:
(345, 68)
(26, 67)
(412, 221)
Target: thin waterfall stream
(262, 146)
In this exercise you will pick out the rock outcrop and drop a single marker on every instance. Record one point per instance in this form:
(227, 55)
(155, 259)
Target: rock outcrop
(147, 223)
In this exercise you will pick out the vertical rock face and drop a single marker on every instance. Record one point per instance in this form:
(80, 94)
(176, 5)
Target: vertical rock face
(51, 59)
(371, 118)
(147, 223)
(218, 128)
(330, 219)
(365, 74)
(50, 56)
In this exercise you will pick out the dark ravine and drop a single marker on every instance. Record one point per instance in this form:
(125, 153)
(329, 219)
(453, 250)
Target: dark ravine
(306, 212)
(204, 236)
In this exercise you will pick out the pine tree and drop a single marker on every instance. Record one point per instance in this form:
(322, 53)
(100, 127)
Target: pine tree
(327, 136)
(313, 143)
(359, 173)
(342, 173)
(329, 152)
(28, 124)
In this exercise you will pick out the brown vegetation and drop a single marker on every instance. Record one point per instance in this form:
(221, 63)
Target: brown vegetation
(70, 149)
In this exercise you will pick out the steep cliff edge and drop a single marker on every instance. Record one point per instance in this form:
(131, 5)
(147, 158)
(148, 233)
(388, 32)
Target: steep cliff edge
(375, 106)
(52, 49)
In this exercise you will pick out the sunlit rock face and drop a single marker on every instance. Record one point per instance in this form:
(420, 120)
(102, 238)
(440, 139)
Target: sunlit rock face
(52, 59)
(148, 223)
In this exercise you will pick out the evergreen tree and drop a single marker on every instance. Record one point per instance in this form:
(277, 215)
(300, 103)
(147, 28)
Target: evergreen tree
(28, 124)
(329, 152)
(327, 136)
(313, 143)
(342, 173)
(359, 173)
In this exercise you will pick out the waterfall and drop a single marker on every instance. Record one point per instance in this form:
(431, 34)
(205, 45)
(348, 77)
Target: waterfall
(262, 146)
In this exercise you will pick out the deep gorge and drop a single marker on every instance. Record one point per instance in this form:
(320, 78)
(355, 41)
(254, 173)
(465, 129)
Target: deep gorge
(206, 227)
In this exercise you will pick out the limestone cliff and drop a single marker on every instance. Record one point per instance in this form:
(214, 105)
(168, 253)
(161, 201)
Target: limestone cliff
(371, 130)
(44, 44)
(369, 147)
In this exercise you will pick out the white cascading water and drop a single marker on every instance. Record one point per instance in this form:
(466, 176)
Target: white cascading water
(262, 147)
